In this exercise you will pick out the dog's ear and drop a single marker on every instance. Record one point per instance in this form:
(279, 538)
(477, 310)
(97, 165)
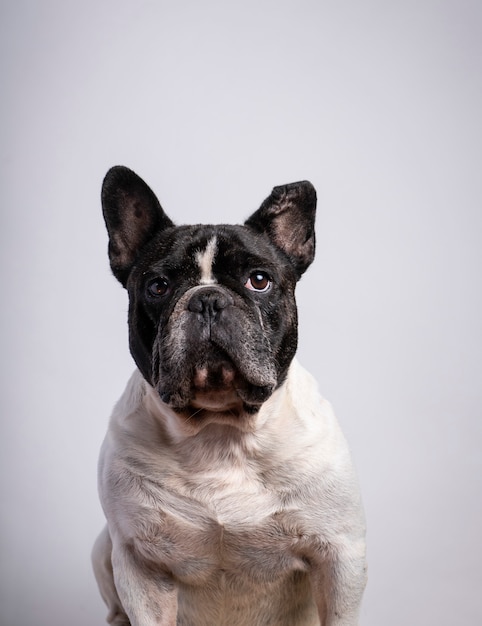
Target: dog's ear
(287, 217)
(132, 215)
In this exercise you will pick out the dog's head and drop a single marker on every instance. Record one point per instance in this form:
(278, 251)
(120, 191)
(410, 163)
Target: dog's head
(212, 313)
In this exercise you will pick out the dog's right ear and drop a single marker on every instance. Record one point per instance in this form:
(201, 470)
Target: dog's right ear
(132, 214)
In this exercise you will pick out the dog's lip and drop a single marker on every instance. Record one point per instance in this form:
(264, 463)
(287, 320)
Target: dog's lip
(219, 401)
(215, 387)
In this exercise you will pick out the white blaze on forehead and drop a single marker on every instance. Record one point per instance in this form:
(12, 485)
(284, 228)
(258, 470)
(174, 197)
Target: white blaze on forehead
(205, 260)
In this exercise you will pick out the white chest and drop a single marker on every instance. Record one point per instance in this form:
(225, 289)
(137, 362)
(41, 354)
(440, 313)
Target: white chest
(222, 520)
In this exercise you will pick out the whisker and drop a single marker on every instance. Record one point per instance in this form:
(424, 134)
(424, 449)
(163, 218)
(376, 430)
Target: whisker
(193, 415)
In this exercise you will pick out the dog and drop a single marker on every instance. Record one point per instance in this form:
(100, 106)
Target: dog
(226, 482)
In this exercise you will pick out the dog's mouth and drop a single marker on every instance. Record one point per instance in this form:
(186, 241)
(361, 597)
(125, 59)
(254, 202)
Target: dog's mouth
(215, 385)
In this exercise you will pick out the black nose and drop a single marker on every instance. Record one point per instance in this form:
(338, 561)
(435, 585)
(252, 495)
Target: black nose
(209, 302)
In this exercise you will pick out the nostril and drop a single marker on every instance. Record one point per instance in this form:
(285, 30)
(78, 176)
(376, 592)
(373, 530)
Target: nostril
(195, 305)
(219, 302)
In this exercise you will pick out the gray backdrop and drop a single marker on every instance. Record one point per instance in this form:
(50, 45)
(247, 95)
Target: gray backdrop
(213, 103)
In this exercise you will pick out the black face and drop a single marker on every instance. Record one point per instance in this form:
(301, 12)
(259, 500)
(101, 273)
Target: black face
(212, 309)
(212, 314)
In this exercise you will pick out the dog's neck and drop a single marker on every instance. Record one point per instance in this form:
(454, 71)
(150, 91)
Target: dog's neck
(273, 430)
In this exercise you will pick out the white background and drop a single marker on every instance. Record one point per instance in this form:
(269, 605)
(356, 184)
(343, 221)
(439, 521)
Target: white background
(379, 104)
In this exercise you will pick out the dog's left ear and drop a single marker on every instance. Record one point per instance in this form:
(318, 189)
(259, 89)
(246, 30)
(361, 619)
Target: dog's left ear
(287, 217)
(132, 215)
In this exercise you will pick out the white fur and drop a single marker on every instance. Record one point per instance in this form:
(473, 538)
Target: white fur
(205, 260)
(224, 526)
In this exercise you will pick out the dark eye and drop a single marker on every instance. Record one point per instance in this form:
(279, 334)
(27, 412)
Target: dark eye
(258, 281)
(158, 287)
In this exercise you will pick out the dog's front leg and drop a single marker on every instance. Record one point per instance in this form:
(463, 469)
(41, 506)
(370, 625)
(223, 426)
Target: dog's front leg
(148, 595)
(338, 583)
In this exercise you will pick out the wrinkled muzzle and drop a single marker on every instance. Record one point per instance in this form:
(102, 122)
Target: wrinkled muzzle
(215, 346)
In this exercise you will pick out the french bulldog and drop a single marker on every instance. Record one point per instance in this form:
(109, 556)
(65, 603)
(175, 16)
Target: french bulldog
(226, 482)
